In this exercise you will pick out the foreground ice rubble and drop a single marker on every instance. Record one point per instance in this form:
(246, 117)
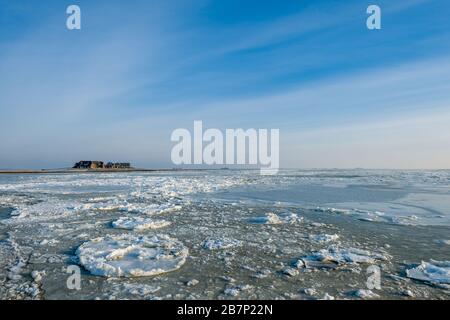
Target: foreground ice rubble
(433, 272)
(51, 214)
(139, 223)
(132, 256)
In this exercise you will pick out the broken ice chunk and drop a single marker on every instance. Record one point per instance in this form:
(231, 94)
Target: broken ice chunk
(139, 223)
(433, 272)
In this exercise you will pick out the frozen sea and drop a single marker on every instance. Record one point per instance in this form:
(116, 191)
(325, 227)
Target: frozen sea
(226, 234)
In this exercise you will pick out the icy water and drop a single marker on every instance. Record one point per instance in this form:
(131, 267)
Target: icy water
(227, 235)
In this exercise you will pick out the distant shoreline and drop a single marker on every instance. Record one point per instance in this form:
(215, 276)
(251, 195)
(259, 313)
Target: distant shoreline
(53, 171)
(102, 170)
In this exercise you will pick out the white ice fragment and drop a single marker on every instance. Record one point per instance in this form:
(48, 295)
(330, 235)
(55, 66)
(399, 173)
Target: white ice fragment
(443, 241)
(324, 238)
(37, 275)
(338, 255)
(289, 271)
(139, 223)
(333, 210)
(140, 289)
(132, 256)
(327, 297)
(407, 293)
(262, 274)
(299, 264)
(365, 294)
(48, 242)
(272, 218)
(192, 282)
(235, 290)
(310, 291)
(227, 279)
(318, 224)
(433, 272)
(223, 243)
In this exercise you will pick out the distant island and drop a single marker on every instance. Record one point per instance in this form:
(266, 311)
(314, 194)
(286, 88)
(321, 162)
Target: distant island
(101, 165)
(85, 166)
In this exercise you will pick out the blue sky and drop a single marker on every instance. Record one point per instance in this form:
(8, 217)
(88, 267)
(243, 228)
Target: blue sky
(341, 95)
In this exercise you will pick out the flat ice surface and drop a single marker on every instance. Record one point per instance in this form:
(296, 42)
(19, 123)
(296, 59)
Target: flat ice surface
(132, 256)
(302, 234)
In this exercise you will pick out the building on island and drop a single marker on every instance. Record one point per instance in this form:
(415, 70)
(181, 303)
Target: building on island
(88, 165)
(118, 165)
(101, 165)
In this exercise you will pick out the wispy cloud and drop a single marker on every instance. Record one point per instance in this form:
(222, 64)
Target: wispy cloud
(134, 73)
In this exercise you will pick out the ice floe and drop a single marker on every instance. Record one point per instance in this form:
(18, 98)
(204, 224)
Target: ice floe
(433, 272)
(337, 255)
(327, 296)
(139, 223)
(363, 215)
(374, 216)
(45, 210)
(443, 241)
(38, 275)
(132, 256)
(309, 291)
(234, 290)
(272, 218)
(289, 271)
(140, 289)
(129, 207)
(333, 210)
(365, 294)
(192, 283)
(323, 238)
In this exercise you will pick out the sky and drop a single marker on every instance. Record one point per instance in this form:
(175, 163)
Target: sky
(342, 96)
